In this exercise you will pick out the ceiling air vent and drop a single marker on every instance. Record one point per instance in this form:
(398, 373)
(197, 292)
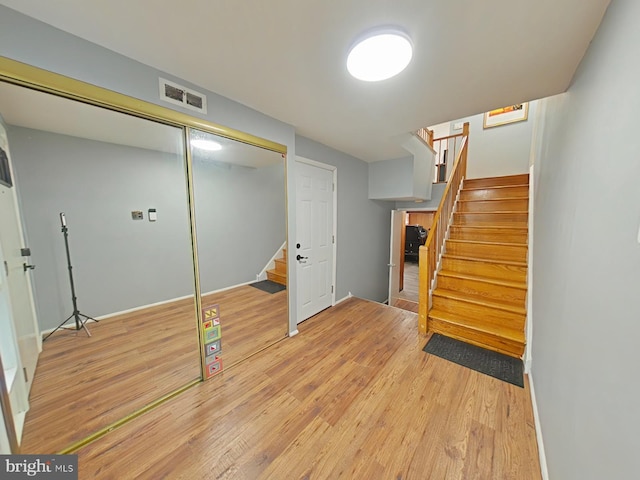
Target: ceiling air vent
(185, 97)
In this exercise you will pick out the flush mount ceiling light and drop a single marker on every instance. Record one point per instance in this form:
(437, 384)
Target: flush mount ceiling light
(208, 145)
(379, 54)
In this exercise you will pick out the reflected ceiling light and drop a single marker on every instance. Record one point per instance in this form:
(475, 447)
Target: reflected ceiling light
(208, 145)
(380, 53)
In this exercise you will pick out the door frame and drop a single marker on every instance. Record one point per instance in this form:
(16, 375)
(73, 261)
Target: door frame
(406, 211)
(334, 170)
(399, 268)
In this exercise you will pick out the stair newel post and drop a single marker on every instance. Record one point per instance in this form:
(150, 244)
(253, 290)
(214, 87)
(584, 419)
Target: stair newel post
(423, 289)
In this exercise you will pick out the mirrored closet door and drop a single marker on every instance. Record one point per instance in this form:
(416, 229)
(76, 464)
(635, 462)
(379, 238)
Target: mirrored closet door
(121, 183)
(240, 218)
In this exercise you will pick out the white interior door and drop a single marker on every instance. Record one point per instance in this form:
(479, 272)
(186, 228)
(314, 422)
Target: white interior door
(19, 312)
(395, 252)
(314, 236)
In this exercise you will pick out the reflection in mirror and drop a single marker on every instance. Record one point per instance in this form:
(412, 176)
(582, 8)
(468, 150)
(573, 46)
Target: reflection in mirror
(239, 198)
(133, 271)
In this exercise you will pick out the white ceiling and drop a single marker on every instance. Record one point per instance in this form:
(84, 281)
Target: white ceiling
(286, 58)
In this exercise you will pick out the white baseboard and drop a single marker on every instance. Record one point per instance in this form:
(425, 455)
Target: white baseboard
(349, 295)
(107, 316)
(541, 454)
(294, 333)
(227, 288)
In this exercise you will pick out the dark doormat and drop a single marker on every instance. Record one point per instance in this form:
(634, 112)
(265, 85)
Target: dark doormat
(497, 365)
(269, 286)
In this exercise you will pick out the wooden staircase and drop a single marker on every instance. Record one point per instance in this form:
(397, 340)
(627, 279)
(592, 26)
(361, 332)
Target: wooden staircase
(279, 273)
(480, 297)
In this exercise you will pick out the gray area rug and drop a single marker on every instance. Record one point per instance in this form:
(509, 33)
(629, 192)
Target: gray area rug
(269, 286)
(497, 365)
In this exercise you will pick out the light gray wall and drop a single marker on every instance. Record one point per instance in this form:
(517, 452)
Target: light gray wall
(434, 203)
(117, 263)
(586, 268)
(240, 220)
(363, 225)
(498, 151)
(423, 169)
(391, 179)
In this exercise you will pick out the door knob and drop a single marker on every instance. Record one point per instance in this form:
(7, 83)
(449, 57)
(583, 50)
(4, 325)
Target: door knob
(300, 257)
(28, 267)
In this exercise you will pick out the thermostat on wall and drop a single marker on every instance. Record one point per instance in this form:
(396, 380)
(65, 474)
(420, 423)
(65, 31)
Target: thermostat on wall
(137, 215)
(153, 216)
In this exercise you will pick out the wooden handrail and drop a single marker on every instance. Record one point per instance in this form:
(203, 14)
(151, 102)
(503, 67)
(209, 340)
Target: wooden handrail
(449, 136)
(429, 253)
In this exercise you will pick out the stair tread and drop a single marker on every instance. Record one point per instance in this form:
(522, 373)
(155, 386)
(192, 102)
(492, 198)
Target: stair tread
(513, 335)
(502, 176)
(497, 227)
(277, 277)
(280, 260)
(480, 278)
(484, 242)
(487, 260)
(469, 188)
(277, 274)
(481, 301)
(491, 199)
(500, 212)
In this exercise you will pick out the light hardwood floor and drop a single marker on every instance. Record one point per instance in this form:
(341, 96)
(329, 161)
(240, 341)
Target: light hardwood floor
(408, 297)
(83, 384)
(352, 396)
(245, 311)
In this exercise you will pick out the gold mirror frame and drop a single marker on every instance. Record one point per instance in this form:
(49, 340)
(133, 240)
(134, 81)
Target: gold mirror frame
(18, 73)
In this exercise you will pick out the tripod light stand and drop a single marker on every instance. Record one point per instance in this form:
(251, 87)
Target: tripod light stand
(76, 315)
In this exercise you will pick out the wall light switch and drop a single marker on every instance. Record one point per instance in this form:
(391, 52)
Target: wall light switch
(458, 126)
(153, 215)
